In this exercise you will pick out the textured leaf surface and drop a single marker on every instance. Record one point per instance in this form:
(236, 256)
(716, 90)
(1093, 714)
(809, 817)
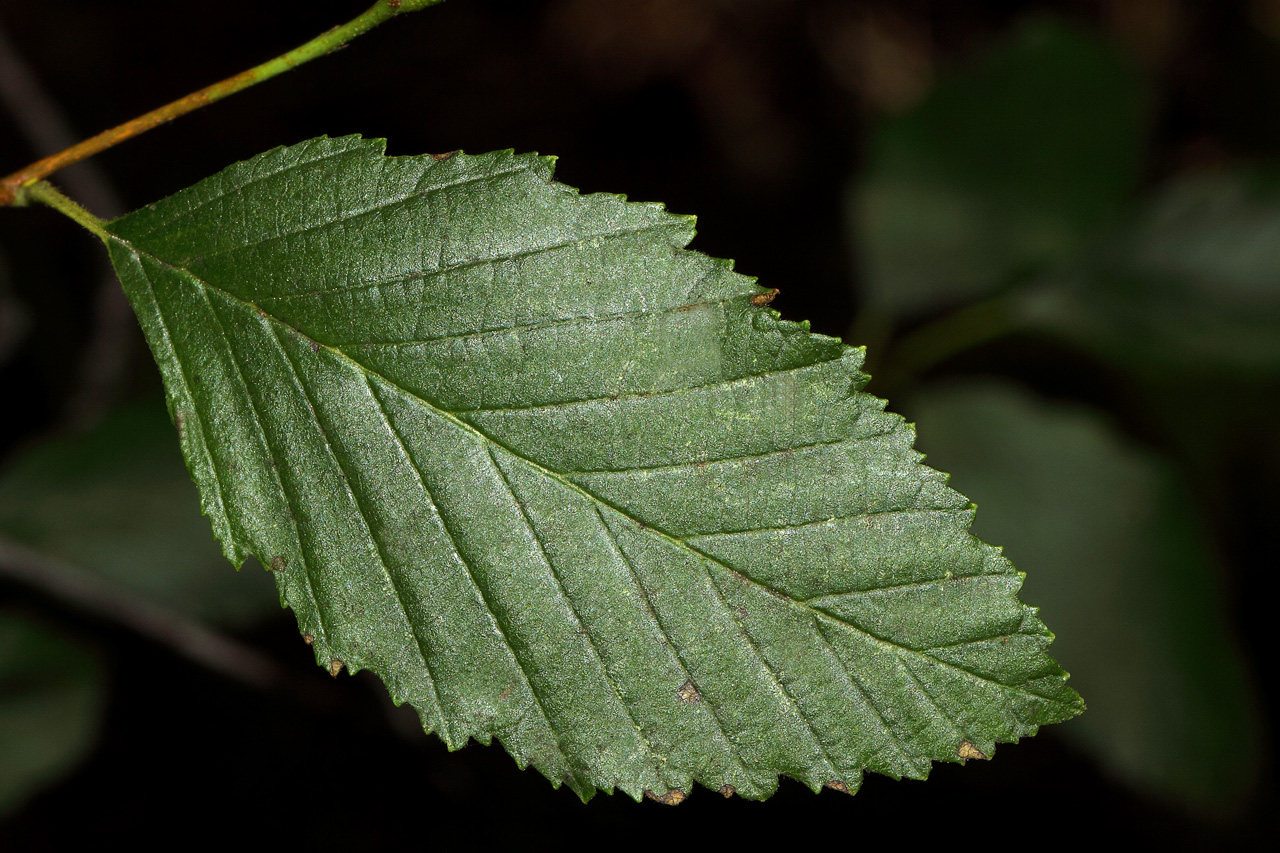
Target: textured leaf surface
(557, 480)
(1121, 563)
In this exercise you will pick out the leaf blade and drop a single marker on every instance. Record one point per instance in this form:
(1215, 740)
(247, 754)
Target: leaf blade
(429, 528)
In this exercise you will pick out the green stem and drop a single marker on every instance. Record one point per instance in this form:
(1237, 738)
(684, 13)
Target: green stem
(44, 192)
(325, 43)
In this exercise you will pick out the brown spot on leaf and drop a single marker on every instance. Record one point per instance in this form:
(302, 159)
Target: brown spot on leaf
(308, 639)
(688, 692)
(968, 750)
(727, 791)
(445, 156)
(837, 785)
(278, 563)
(315, 346)
(335, 667)
(764, 298)
(674, 797)
(505, 695)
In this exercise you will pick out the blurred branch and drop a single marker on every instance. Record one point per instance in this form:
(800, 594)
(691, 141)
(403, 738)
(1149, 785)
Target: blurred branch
(44, 126)
(14, 321)
(946, 337)
(88, 593)
(46, 129)
(322, 45)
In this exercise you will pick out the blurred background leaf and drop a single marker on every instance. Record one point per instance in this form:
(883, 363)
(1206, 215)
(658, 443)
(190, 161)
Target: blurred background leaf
(1119, 563)
(1009, 165)
(1008, 205)
(51, 699)
(1192, 283)
(118, 501)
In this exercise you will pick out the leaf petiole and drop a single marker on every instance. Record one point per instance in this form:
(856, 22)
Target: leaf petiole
(46, 194)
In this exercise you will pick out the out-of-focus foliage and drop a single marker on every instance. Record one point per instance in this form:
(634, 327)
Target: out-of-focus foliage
(1194, 282)
(1017, 177)
(118, 502)
(1009, 165)
(1119, 563)
(51, 696)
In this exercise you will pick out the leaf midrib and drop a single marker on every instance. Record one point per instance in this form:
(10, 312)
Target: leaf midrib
(815, 614)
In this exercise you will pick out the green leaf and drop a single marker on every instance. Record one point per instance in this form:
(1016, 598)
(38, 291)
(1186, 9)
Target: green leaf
(1193, 283)
(1123, 567)
(557, 480)
(51, 698)
(1008, 166)
(117, 501)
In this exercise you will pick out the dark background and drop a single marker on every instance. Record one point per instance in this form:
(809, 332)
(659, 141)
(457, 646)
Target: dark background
(755, 115)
